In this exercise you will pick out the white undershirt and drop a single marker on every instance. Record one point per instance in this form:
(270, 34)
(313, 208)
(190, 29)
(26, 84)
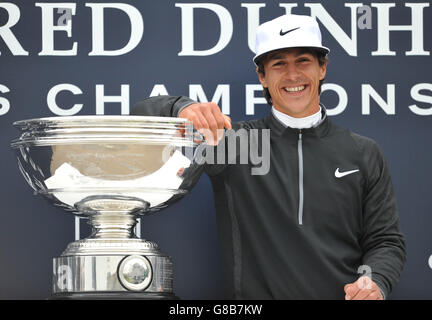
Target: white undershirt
(297, 123)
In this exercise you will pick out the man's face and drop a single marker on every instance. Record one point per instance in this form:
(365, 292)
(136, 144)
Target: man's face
(292, 77)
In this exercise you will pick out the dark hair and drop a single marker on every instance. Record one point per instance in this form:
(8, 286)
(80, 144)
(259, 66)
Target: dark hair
(322, 59)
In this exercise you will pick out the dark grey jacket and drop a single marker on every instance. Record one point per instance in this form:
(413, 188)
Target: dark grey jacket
(300, 232)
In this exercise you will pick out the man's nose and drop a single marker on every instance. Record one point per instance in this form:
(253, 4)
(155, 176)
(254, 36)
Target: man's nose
(291, 72)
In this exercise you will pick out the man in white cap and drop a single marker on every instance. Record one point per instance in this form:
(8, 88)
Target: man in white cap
(322, 223)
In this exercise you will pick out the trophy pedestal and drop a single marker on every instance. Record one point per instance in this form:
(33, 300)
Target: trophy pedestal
(112, 263)
(112, 269)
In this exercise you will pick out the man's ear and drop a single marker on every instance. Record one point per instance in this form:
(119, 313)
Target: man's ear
(261, 78)
(323, 70)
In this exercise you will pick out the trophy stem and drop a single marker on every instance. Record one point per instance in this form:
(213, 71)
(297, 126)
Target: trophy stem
(112, 225)
(112, 216)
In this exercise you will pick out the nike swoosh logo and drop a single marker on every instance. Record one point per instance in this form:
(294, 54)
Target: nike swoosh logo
(339, 174)
(282, 33)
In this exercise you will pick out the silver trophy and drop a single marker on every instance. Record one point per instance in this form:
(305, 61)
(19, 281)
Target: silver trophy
(110, 170)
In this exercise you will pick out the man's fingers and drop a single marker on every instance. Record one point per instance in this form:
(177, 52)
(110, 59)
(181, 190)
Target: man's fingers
(207, 126)
(227, 122)
(363, 289)
(204, 129)
(220, 120)
(367, 294)
(351, 290)
(208, 119)
(215, 121)
(347, 286)
(374, 295)
(197, 120)
(218, 115)
(213, 127)
(361, 294)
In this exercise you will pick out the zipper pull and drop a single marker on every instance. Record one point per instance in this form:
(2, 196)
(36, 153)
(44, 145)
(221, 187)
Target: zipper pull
(300, 134)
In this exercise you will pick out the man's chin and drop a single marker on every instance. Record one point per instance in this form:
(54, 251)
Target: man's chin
(294, 110)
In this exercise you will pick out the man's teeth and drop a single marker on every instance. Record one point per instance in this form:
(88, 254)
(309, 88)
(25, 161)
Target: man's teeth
(294, 89)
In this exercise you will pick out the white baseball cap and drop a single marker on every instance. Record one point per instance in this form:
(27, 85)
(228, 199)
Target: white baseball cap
(288, 31)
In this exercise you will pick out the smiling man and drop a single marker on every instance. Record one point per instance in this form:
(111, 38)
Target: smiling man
(292, 78)
(322, 223)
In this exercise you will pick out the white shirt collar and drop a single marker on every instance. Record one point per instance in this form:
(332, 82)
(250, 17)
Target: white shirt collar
(297, 123)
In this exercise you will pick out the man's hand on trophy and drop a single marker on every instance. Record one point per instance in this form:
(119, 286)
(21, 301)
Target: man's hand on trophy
(207, 119)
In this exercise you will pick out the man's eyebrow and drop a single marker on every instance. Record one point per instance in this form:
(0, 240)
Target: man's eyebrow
(302, 52)
(276, 56)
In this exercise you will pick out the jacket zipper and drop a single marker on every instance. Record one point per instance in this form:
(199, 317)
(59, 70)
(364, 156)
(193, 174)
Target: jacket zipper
(301, 195)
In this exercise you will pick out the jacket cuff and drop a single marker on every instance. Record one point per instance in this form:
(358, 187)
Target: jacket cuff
(381, 287)
(382, 293)
(177, 110)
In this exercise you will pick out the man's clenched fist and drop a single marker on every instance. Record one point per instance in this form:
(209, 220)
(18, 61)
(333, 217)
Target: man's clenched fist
(363, 289)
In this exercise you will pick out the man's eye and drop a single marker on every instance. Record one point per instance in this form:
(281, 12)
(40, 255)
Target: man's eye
(279, 63)
(304, 60)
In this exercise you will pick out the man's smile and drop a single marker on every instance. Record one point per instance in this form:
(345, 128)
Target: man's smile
(295, 90)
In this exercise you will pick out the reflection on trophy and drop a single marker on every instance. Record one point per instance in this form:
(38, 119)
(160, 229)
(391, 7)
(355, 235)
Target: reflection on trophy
(110, 170)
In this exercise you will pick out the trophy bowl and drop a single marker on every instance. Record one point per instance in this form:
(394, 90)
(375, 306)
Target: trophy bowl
(110, 170)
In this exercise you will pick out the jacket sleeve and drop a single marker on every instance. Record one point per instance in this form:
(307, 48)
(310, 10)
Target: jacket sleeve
(382, 242)
(161, 106)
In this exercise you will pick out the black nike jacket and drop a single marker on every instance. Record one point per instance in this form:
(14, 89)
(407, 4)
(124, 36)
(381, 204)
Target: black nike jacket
(303, 230)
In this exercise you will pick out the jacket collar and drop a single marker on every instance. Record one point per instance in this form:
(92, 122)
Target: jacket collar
(321, 129)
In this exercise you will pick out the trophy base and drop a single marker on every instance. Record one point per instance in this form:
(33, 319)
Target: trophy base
(113, 296)
(112, 269)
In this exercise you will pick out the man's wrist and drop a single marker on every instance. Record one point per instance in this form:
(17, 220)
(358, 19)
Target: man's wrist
(183, 107)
